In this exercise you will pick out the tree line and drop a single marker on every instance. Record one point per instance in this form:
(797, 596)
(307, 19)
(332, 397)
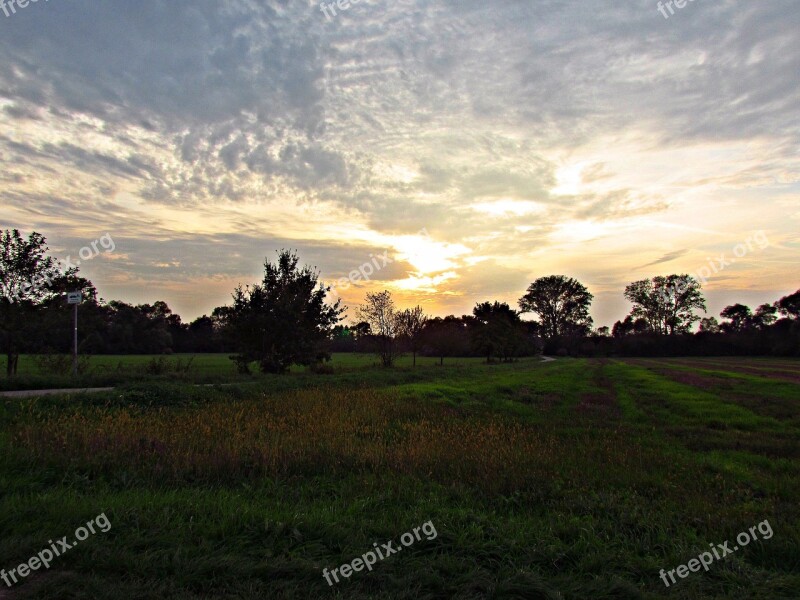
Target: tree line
(285, 319)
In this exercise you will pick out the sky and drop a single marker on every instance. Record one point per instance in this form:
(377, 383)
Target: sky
(461, 148)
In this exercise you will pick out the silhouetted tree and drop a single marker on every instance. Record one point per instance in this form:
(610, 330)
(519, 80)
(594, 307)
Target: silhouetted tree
(789, 306)
(739, 318)
(765, 315)
(28, 280)
(410, 324)
(709, 325)
(446, 337)
(362, 330)
(202, 335)
(667, 303)
(562, 304)
(379, 312)
(283, 320)
(497, 330)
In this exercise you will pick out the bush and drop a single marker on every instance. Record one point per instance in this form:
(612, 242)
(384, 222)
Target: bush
(242, 364)
(320, 368)
(161, 366)
(61, 364)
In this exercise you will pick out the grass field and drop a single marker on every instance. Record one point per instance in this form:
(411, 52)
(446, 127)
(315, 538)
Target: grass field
(100, 371)
(566, 480)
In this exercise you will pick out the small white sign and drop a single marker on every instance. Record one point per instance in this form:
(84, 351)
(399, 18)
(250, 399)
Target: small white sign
(74, 297)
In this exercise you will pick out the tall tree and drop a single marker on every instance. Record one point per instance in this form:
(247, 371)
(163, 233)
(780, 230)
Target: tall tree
(284, 320)
(410, 324)
(739, 318)
(497, 330)
(667, 303)
(446, 337)
(709, 325)
(562, 304)
(379, 312)
(630, 326)
(789, 306)
(765, 315)
(28, 279)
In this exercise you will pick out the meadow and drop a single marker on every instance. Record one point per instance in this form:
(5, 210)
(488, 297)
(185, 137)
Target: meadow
(571, 479)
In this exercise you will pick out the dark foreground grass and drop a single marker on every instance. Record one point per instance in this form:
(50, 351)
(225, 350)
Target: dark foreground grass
(574, 479)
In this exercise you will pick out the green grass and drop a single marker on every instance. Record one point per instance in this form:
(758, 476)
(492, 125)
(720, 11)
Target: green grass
(633, 466)
(102, 371)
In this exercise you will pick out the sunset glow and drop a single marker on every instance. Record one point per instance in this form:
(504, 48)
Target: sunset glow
(490, 147)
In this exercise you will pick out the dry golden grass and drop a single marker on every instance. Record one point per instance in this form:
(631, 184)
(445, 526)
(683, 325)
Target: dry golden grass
(320, 432)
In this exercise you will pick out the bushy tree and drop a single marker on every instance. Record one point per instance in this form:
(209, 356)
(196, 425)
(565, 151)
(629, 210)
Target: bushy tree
(562, 304)
(765, 315)
(446, 337)
(497, 331)
(666, 303)
(709, 325)
(741, 318)
(29, 279)
(738, 317)
(789, 306)
(284, 320)
(630, 326)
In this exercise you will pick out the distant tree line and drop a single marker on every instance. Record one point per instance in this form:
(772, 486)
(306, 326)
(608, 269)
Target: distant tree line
(285, 320)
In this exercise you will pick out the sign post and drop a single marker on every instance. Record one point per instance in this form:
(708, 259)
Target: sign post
(75, 298)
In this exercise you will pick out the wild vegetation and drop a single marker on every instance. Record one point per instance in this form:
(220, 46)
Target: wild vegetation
(573, 479)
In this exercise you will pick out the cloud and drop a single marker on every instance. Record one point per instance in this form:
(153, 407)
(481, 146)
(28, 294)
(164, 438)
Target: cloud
(575, 129)
(669, 257)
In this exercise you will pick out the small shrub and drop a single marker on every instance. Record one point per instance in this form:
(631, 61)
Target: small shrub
(61, 364)
(180, 367)
(156, 366)
(162, 366)
(242, 364)
(320, 368)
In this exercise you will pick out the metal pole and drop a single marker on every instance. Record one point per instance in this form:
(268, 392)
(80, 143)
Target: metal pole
(75, 345)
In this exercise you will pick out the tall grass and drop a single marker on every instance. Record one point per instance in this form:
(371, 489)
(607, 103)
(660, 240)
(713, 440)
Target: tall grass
(323, 432)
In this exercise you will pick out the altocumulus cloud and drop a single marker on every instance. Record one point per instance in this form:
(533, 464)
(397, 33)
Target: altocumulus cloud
(260, 121)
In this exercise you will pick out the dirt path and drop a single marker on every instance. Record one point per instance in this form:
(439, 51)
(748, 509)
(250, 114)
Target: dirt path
(35, 393)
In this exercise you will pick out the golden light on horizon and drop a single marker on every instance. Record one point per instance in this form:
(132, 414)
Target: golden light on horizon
(428, 256)
(416, 282)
